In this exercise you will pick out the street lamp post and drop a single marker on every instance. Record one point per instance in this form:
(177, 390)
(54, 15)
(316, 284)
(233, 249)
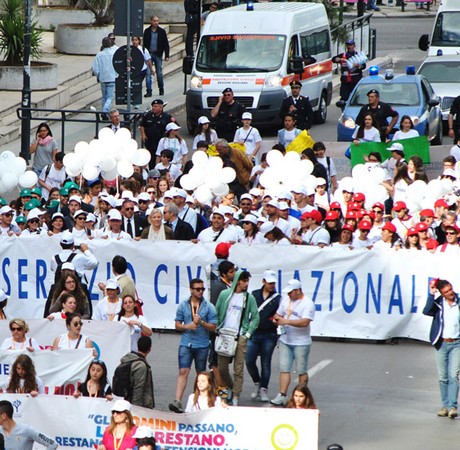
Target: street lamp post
(26, 92)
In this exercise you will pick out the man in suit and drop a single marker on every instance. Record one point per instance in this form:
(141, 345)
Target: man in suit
(131, 223)
(298, 105)
(115, 123)
(182, 230)
(156, 42)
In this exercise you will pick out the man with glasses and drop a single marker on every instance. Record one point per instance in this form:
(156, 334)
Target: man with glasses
(299, 106)
(181, 229)
(195, 319)
(227, 113)
(110, 305)
(114, 230)
(245, 207)
(132, 224)
(186, 213)
(7, 226)
(451, 245)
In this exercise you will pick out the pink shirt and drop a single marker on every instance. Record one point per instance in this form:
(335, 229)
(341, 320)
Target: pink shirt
(128, 441)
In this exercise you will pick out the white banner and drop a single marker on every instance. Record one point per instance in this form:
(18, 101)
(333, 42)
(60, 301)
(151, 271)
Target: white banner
(359, 293)
(80, 423)
(61, 371)
(111, 340)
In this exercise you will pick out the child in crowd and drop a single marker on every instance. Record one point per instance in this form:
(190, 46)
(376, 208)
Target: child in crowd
(204, 394)
(301, 398)
(321, 197)
(96, 383)
(165, 164)
(287, 134)
(204, 132)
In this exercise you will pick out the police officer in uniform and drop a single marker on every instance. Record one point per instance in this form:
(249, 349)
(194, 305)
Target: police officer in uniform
(153, 128)
(454, 122)
(227, 114)
(381, 112)
(348, 78)
(299, 106)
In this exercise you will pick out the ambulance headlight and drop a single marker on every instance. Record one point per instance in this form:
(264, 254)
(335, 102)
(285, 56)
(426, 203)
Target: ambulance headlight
(196, 82)
(273, 80)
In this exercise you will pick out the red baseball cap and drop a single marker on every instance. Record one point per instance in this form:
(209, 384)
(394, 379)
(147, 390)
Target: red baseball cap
(359, 197)
(412, 231)
(222, 249)
(399, 205)
(332, 215)
(353, 206)
(316, 216)
(421, 226)
(441, 202)
(364, 225)
(351, 215)
(348, 227)
(379, 205)
(426, 213)
(335, 205)
(390, 227)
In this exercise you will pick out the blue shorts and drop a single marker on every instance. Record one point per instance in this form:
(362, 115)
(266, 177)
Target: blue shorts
(289, 353)
(186, 355)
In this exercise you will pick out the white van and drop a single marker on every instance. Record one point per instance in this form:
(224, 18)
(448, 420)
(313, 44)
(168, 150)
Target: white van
(445, 38)
(258, 53)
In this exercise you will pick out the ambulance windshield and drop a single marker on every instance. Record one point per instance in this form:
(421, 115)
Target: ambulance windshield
(240, 53)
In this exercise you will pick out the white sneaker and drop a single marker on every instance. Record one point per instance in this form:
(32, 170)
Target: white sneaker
(263, 397)
(256, 393)
(235, 401)
(279, 400)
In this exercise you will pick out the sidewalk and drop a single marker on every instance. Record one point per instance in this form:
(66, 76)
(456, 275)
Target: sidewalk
(389, 11)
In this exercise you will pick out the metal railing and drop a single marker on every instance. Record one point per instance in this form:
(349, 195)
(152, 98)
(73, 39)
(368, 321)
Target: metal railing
(64, 116)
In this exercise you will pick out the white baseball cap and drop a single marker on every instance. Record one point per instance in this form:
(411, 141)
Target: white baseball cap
(292, 285)
(270, 276)
(114, 214)
(202, 120)
(172, 126)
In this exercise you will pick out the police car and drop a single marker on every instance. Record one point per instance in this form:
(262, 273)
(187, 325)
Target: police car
(408, 94)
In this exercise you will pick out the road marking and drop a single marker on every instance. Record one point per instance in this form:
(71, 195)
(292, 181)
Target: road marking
(318, 367)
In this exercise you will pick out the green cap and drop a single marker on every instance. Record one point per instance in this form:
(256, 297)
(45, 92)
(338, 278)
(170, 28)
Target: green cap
(2, 201)
(53, 203)
(21, 219)
(26, 192)
(71, 185)
(64, 191)
(29, 205)
(37, 191)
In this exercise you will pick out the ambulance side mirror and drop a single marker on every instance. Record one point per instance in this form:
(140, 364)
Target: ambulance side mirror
(187, 65)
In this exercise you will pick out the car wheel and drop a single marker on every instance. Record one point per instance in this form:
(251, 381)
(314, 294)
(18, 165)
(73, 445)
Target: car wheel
(320, 116)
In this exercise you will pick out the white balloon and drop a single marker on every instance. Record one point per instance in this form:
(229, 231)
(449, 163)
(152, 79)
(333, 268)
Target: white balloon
(311, 182)
(3, 168)
(199, 158)
(447, 185)
(305, 166)
(26, 180)
(269, 179)
(214, 164)
(2, 188)
(90, 172)
(228, 174)
(359, 171)
(105, 133)
(221, 190)
(213, 180)
(81, 149)
(125, 168)
(10, 180)
(109, 175)
(18, 165)
(378, 175)
(274, 157)
(7, 156)
(124, 135)
(72, 162)
(188, 182)
(108, 163)
(435, 188)
(292, 157)
(417, 190)
(95, 145)
(346, 184)
(198, 173)
(73, 173)
(203, 194)
(142, 157)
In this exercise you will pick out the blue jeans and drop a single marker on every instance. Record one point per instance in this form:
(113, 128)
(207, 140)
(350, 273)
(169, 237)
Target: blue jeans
(290, 353)
(186, 355)
(108, 92)
(448, 364)
(158, 63)
(261, 345)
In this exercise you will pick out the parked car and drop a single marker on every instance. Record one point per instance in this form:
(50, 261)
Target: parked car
(443, 74)
(410, 95)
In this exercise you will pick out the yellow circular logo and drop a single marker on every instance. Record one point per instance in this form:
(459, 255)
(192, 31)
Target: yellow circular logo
(284, 437)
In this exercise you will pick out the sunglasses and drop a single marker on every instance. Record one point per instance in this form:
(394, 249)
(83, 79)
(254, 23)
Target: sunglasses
(451, 233)
(150, 192)
(81, 218)
(144, 201)
(8, 214)
(34, 221)
(15, 329)
(129, 209)
(199, 289)
(77, 324)
(377, 211)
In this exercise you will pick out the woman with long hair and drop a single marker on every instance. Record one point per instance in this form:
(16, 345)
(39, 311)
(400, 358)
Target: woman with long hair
(69, 283)
(173, 141)
(137, 323)
(32, 225)
(406, 129)
(68, 306)
(345, 238)
(18, 339)
(319, 171)
(397, 189)
(96, 384)
(162, 186)
(157, 231)
(412, 239)
(251, 231)
(367, 131)
(119, 434)
(44, 148)
(73, 338)
(204, 132)
(204, 394)
(301, 398)
(24, 378)
(415, 169)
(56, 226)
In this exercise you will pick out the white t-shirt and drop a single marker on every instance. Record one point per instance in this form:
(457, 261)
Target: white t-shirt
(358, 243)
(178, 147)
(227, 235)
(55, 178)
(174, 171)
(135, 330)
(10, 344)
(317, 236)
(250, 138)
(201, 404)
(234, 310)
(399, 135)
(371, 135)
(106, 311)
(296, 310)
(202, 137)
(331, 170)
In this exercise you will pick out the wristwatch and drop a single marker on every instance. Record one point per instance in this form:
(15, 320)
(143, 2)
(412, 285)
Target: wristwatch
(202, 322)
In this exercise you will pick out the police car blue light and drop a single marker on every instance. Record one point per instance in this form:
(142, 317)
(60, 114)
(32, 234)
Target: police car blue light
(410, 95)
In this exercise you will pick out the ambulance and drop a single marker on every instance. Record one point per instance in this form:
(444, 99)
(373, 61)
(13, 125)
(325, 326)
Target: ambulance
(257, 50)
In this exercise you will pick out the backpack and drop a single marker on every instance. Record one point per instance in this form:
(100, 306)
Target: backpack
(121, 382)
(58, 273)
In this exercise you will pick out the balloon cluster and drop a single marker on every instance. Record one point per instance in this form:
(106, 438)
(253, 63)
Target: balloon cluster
(13, 173)
(360, 58)
(110, 155)
(207, 177)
